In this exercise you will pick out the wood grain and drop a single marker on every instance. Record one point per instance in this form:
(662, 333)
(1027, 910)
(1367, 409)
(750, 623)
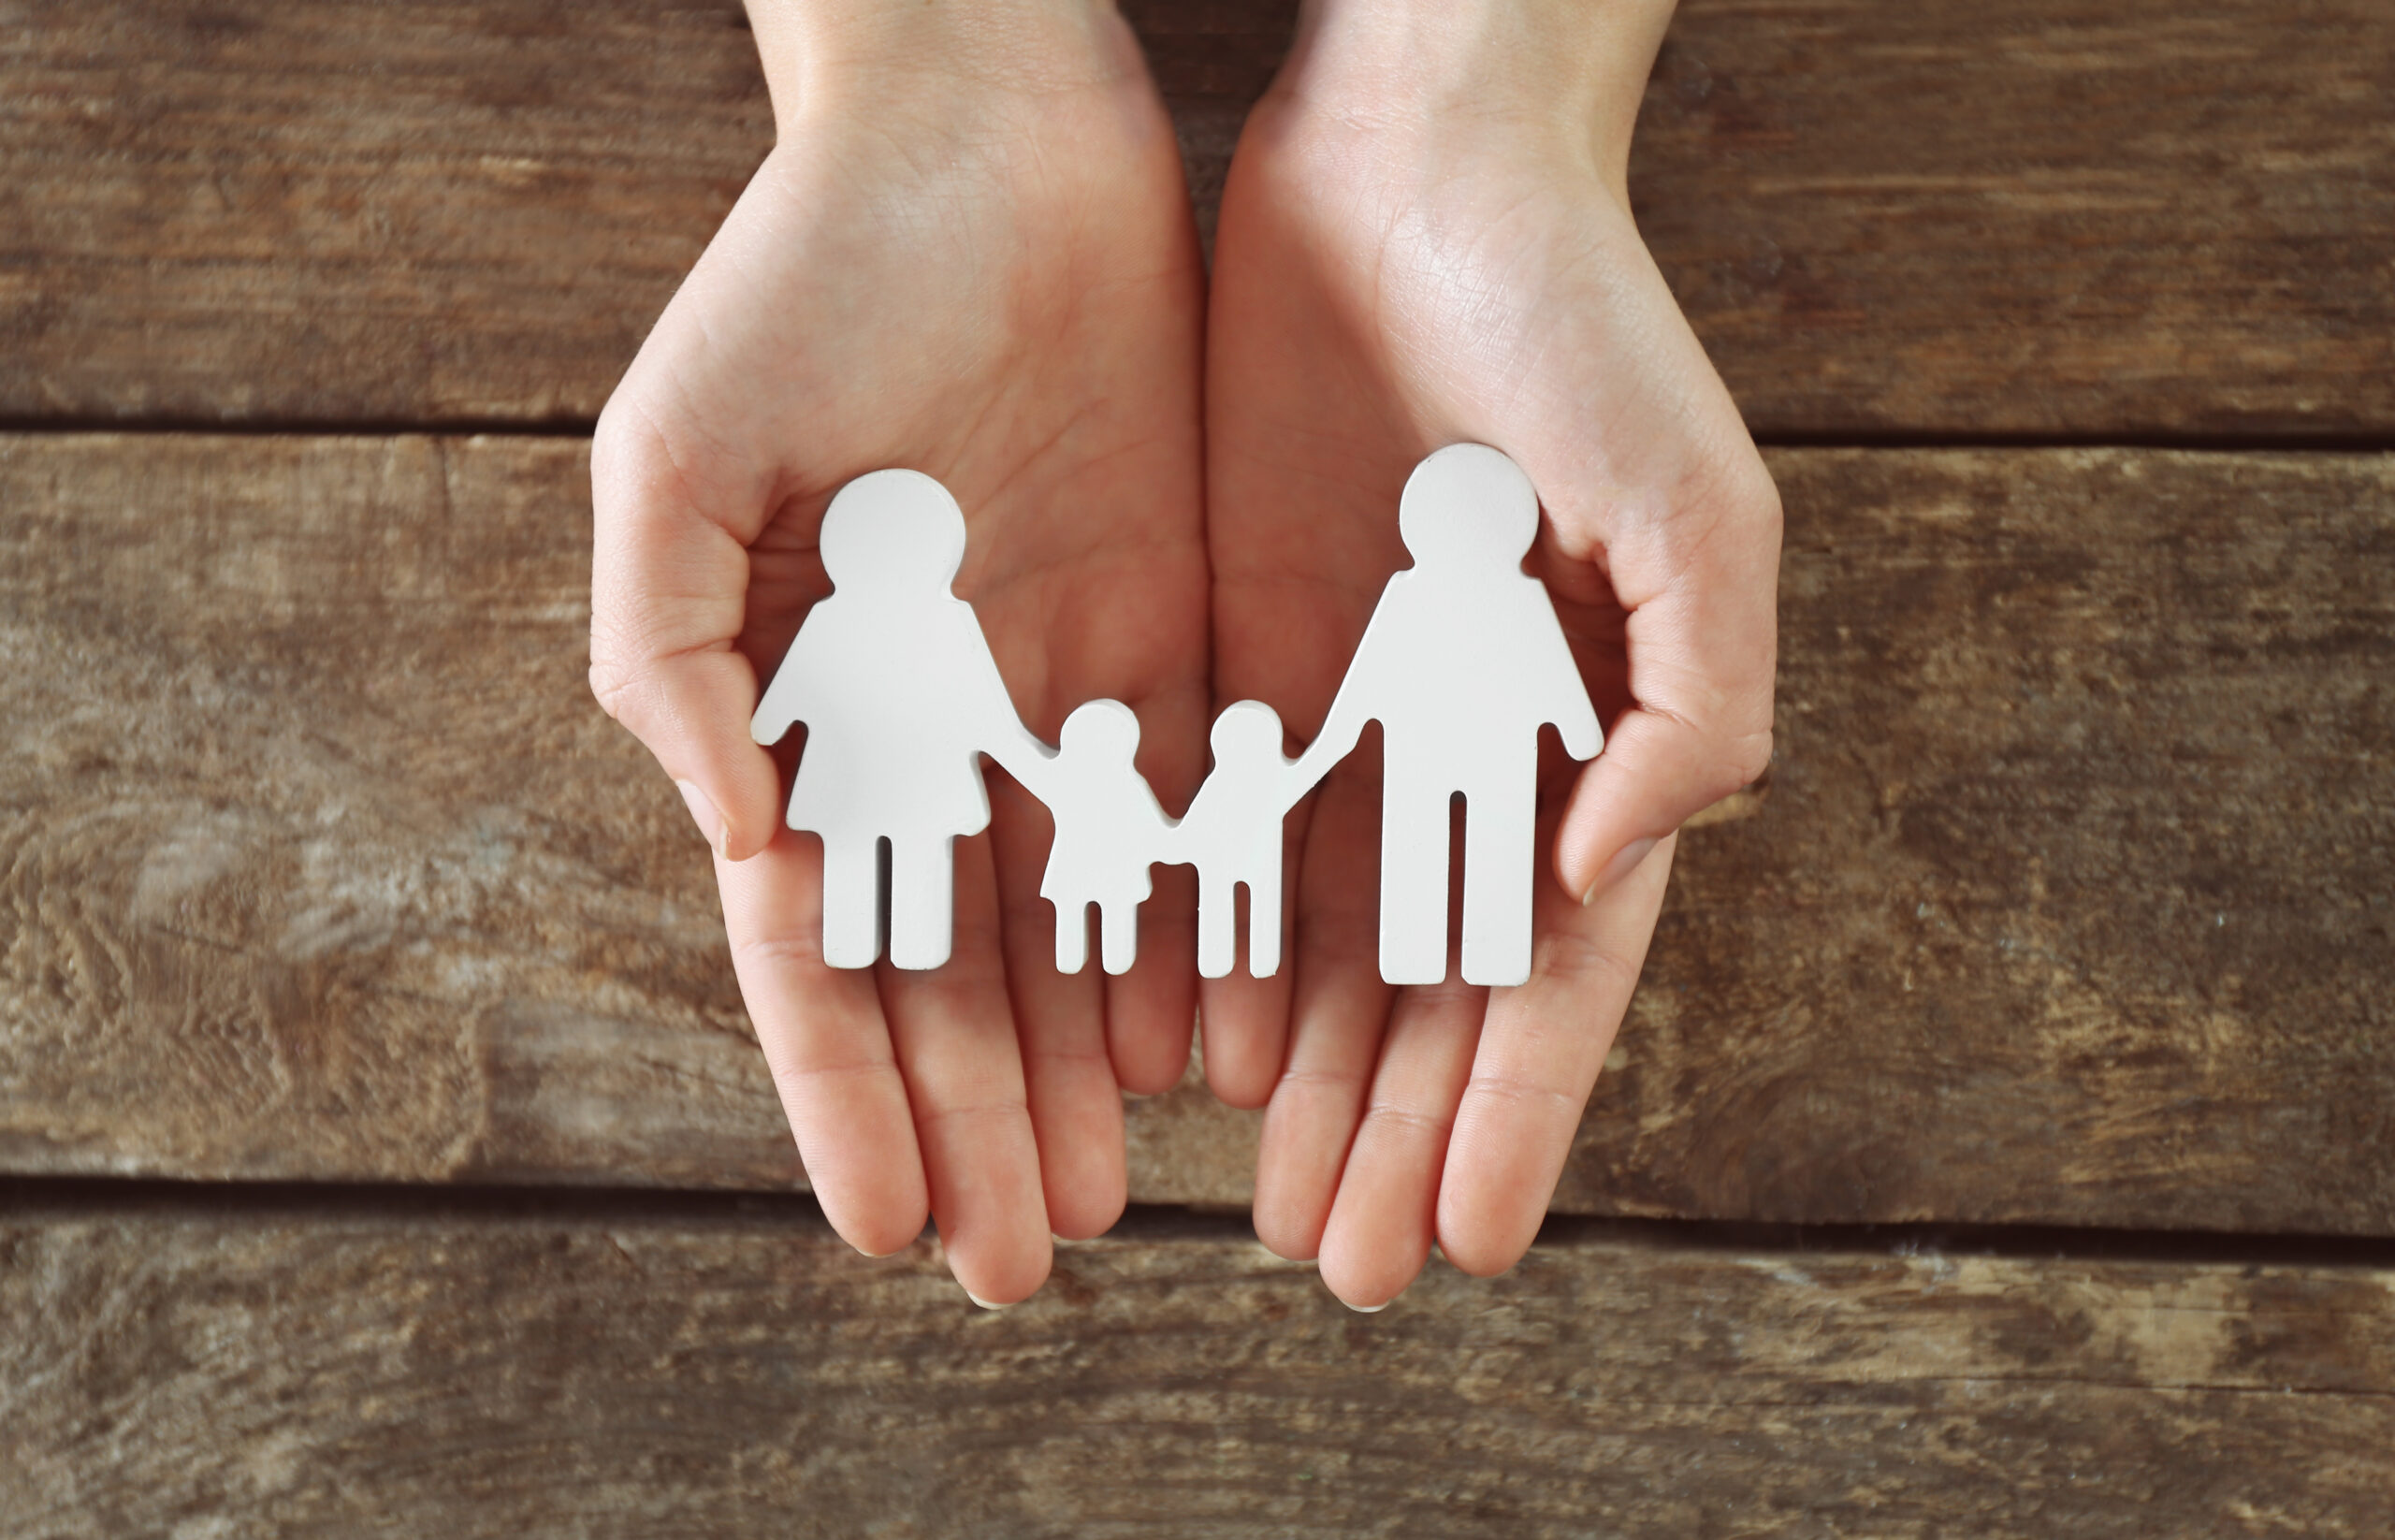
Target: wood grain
(330, 1373)
(2054, 217)
(2070, 895)
(357, 213)
(2050, 217)
(2067, 900)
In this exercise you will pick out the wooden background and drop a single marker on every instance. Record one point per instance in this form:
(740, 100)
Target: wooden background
(2003, 1138)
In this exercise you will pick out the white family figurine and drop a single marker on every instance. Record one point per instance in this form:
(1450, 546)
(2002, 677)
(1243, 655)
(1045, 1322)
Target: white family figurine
(1462, 663)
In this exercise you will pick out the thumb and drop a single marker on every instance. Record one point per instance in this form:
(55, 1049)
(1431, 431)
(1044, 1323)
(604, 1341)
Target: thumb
(1701, 663)
(1657, 771)
(668, 591)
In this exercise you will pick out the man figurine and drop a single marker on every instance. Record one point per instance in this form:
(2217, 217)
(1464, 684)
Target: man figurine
(1461, 665)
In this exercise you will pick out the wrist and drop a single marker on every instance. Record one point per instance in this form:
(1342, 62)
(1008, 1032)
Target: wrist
(1573, 68)
(829, 52)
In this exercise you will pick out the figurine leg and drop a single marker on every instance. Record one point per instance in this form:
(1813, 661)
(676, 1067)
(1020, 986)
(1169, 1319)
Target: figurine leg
(1072, 937)
(923, 902)
(1500, 876)
(1414, 878)
(851, 902)
(1118, 934)
(1217, 924)
(1263, 921)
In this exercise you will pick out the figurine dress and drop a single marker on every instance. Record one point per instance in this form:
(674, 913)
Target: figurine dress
(1109, 831)
(900, 696)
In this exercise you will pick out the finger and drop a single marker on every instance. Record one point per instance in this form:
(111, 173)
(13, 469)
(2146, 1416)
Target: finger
(1339, 1010)
(1382, 1223)
(824, 1038)
(1152, 1009)
(1700, 643)
(1299, 563)
(1246, 1020)
(1060, 1021)
(669, 584)
(1537, 1062)
(954, 1035)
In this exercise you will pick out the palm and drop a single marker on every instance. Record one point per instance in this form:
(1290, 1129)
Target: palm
(1495, 296)
(1015, 313)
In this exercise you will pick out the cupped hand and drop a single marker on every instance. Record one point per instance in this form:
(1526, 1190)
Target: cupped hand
(969, 253)
(1425, 238)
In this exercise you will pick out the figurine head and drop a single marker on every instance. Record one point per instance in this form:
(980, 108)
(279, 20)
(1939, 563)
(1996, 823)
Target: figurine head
(1468, 506)
(1100, 730)
(1247, 733)
(893, 530)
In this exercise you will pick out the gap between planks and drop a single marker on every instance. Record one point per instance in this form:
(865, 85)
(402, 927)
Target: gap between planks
(2288, 441)
(1146, 1224)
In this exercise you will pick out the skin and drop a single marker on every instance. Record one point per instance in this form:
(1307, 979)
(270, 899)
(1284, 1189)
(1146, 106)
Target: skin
(1425, 237)
(969, 252)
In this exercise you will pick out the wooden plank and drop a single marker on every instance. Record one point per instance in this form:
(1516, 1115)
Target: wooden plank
(2070, 895)
(352, 211)
(2067, 900)
(320, 1373)
(2052, 217)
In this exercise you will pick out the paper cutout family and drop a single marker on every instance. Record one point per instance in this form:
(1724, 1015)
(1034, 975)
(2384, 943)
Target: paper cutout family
(1462, 663)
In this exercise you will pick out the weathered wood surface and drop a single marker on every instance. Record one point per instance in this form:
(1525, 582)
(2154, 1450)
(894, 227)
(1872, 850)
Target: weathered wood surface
(2052, 216)
(2069, 899)
(2057, 216)
(355, 211)
(2072, 896)
(325, 1372)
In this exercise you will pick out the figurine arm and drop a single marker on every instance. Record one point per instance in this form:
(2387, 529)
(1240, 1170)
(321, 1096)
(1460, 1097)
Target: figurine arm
(1364, 690)
(1002, 735)
(1350, 709)
(1575, 718)
(788, 698)
(1021, 755)
(1304, 773)
(1564, 694)
(1166, 845)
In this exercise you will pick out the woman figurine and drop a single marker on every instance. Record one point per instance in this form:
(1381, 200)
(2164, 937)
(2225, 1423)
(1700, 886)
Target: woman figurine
(900, 696)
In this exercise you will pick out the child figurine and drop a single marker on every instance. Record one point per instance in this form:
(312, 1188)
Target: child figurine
(1109, 829)
(1233, 835)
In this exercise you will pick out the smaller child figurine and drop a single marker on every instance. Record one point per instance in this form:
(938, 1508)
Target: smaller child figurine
(1109, 829)
(1232, 836)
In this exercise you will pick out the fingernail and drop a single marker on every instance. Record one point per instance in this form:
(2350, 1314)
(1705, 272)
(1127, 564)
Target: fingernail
(1625, 861)
(1367, 1310)
(710, 821)
(983, 1304)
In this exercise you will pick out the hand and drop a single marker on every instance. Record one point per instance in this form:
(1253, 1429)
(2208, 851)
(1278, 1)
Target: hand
(970, 253)
(1427, 238)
